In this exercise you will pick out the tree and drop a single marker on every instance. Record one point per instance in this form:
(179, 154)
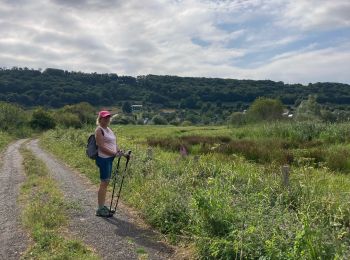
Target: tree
(126, 107)
(11, 116)
(42, 120)
(159, 120)
(84, 112)
(237, 119)
(308, 110)
(265, 109)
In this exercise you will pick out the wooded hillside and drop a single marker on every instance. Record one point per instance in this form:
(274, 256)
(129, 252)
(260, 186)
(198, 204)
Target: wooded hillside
(56, 88)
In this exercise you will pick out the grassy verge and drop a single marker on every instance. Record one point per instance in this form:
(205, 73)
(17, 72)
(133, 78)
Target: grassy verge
(5, 139)
(227, 207)
(45, 216)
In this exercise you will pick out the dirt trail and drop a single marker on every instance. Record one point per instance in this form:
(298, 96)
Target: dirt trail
(13, 240)
(114, 238)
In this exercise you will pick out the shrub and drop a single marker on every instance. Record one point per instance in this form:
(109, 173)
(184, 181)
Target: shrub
(159, 120)
(68, 119)
(123, 120)
(12, 116)
(186, 123)
(85, 113)
(42, 120)
(265, 109)
(238, 119)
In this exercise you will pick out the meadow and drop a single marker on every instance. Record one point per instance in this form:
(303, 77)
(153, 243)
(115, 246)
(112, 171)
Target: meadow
(225, 199)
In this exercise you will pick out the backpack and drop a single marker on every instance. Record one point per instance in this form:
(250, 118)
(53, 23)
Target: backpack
(91, 147)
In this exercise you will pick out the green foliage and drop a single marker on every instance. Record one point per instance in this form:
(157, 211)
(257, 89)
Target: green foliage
(68, 119)
(237, 119)
(12, 116)
(338, 158)
(123, 120)
(214, 97)
(5, 139)
(226, 206)
(42, 120)
(14, 120)
(308, 110)
(76, 115)
(159, 120)
(265, 109)
(126, 107)
(186, 123)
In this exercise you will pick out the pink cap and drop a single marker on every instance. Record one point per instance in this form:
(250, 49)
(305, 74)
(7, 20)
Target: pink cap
(104, 113)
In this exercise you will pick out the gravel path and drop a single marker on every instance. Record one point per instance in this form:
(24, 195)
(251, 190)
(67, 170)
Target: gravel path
(13, 240)
(114, 238)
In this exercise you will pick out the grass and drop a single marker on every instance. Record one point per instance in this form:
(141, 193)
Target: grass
(45, 216)
(5, 139)
(224, 203)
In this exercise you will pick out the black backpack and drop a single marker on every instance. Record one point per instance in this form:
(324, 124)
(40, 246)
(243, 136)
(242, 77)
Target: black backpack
(91, 147)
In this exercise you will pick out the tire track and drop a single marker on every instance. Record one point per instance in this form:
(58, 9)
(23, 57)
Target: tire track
(13, 239)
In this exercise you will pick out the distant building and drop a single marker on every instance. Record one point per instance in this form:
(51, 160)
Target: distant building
(136, 108)
(287, 113)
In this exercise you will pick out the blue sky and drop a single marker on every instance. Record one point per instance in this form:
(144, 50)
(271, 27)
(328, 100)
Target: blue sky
(299, 41)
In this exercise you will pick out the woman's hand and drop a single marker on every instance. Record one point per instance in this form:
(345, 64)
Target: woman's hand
(119, 153)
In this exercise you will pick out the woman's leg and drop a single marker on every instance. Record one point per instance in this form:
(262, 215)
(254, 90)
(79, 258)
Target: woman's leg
(102, 193)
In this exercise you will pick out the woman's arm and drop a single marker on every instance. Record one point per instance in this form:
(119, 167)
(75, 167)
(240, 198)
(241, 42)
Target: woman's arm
(101, 144)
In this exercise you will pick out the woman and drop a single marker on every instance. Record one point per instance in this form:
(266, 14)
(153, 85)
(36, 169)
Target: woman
(107, 150)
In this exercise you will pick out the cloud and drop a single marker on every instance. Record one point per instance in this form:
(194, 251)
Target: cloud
(317, 14)
(231, 39)
(330, 65)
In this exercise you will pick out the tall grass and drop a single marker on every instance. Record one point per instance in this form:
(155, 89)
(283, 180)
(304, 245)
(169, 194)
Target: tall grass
(228, 207)
(5, 139)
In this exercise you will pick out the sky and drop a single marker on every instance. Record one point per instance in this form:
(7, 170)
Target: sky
(294, 41)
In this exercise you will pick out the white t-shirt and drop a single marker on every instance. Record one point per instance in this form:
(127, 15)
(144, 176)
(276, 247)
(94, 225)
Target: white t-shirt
(110, 141)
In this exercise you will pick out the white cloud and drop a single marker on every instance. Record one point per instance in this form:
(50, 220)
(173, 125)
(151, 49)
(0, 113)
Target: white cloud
(329, 65)
(156, 36)
(317, 14)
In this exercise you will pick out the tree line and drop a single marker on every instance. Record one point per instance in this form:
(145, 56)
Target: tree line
(55, 88)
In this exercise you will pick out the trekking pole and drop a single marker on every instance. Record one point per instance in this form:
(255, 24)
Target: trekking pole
(121, 184)
(114, 183)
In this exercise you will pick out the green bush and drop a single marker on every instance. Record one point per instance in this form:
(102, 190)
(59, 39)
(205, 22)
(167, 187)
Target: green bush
(265, 109)
(123, 120)
(42, 120)
(159, 120)
(68, 119)
(76, 115)
(12, 117)
(186, 123)
(238, 119)
(5, 138)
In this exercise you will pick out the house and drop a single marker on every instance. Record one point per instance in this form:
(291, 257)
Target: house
(136, 108)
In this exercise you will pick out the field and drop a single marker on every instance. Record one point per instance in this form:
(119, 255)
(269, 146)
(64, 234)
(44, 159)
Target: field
(224, 197)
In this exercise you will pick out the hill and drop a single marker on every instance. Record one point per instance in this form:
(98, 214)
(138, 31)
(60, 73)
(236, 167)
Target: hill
(56, 88)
